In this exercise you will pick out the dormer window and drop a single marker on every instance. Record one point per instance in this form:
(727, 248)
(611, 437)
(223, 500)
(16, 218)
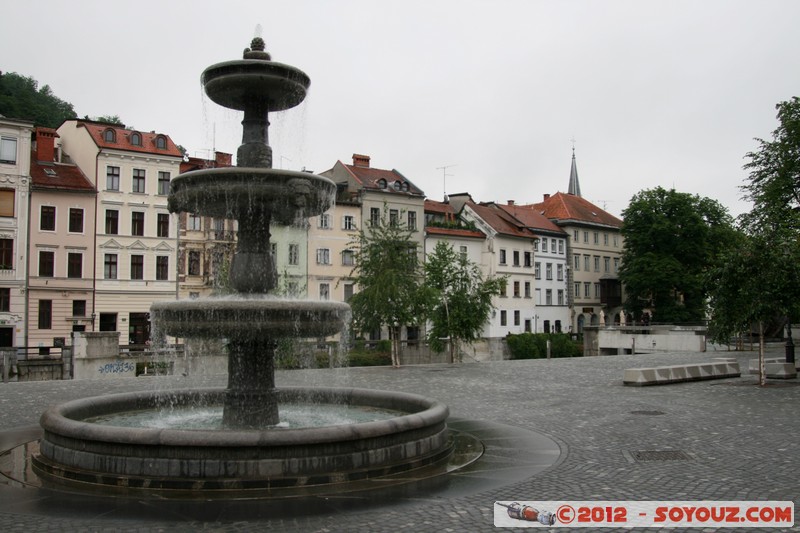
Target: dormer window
(397, 185)
(136, 139)
(405, 186)
(161, 142)
(50, 172)
(382, 183)
(110, 136)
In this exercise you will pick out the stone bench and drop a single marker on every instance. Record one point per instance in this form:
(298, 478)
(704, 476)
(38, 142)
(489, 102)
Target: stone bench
(775, 367)
(663, 375)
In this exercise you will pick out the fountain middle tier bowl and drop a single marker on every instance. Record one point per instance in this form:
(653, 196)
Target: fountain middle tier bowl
(243, 317)
(234, 192)
(159, 462)
(244, 83)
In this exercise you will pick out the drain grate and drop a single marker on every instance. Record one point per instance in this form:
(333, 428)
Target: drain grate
(660, 455)
(648, 413)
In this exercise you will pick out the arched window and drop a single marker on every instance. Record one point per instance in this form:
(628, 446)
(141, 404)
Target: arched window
(405, 186)
(136, 139)
(110, 136)
(161, 142)
(382, 183)
(397, 185)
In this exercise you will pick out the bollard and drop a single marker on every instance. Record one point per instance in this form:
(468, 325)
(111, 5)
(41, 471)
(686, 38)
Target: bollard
(790, 350)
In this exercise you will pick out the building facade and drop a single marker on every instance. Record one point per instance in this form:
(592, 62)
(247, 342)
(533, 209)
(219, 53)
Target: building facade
(136, 236)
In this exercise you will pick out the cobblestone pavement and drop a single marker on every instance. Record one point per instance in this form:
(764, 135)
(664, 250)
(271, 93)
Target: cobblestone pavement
(742, 442)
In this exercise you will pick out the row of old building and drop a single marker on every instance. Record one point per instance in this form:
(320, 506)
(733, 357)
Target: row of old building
(87, 242)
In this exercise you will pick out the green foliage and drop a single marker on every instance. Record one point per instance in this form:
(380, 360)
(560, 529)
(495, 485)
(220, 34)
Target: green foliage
(389, 276)
(672, 241)
(110, 119)
(369, 358)
(534, 345)
(20, 97)
(461, 298)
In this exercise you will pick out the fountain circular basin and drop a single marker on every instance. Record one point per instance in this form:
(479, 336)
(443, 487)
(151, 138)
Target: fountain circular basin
(78, 453)
(235, 84)
(250, 317)
(230, 192)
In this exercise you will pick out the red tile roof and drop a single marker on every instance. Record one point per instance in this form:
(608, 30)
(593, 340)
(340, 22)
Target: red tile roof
(531, 218)
(61, 177)
(432, 206)
(568, 207)
(454, 232)
(501, 221)
(123, 139)
(369, 178)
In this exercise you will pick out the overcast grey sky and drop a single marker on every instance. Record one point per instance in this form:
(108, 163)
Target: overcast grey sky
(668, 93)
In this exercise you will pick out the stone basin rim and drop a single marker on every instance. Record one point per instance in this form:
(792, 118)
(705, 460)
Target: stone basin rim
(425, 412)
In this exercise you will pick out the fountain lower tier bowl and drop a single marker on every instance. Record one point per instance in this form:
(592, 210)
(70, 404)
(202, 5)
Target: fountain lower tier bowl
(180, 462)
(234, 192)
(244, 83)
(252, 318)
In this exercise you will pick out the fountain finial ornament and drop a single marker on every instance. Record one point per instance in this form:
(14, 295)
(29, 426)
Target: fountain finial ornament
(256, 50)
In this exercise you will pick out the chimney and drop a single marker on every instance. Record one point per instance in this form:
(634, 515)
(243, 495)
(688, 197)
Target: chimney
(46, 144)
(546, 196)
(222, 159)
(360, 160)
(511, 202)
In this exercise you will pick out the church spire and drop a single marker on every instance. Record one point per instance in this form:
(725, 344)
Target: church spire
(574, 185)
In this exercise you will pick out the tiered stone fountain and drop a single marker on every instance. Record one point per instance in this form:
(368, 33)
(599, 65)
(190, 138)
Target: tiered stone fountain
(248, 452)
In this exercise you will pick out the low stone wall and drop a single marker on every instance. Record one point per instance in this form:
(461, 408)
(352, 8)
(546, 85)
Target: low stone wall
(614, 340)
(663, 375)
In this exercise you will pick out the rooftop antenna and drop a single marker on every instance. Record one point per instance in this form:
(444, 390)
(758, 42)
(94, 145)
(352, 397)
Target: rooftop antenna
(444, 178)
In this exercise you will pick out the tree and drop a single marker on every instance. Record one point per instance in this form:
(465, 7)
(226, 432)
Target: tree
(20, 97)
(110, 119)
(461, 298)
(389, 276)
(672, 239)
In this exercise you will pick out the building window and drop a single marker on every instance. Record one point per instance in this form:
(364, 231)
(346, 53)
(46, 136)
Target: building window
(74, 265)
(560, 297)
(537, 270)
(462, 252)
(161, 142)
(110, 266)
(553, 245)
(162, 268)
(75, 220)
(137, 266)
(136, 139)
(586, 237)
(527, 289)
(294, 254)
(292, 288)
(163, 183)
(586, 260)
(162, 227)
(6, 254)
(502, 256)
(516, 317)
(108, 321)
(616, 242)
(348, 222)
(544, 245)
(5, 299)
(374, 216)
(597, 263)
(548, 297)
(616, 264)
(112, 178)
(47, 219)
(324, 221)
(527, 259)
(194, 222)
(348, 291)
(548, 271)
(110, 136)
(138, 180)
(394, 217)
(78, 307)
(412, 220)
(587, 288)
(45, 314)
(597, 291)
(606, 264)
(515, 257)
(575, 235)
(605, 239)
(7, 202)
(577, 261)
(577, 289)
(503, 318)
(596, 238)
(348, 258)
(137, 223)
(560, 272)
(536, 244)
(47, 263)
(323, 256)
(112, 221)
(324, 291)
(219, 229)
(194, 263)
(560, 246)
(8, 150)
(516, 289)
